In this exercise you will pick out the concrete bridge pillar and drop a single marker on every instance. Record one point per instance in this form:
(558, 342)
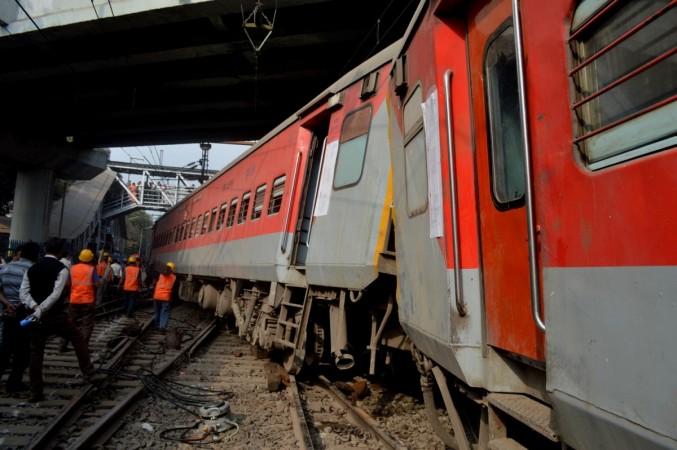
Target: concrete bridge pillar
(32, 202)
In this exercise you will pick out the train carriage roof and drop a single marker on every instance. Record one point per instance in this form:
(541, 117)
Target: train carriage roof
(383, 57)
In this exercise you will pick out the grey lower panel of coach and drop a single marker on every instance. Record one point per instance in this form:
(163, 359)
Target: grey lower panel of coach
(611, 359)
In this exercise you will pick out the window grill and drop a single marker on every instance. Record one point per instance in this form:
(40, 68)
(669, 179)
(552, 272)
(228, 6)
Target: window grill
(231, 213)
(222, 216)
(275, 202)
(212, 221)
(624, 79)
(244, 207)
(258, 202)
(192, 228)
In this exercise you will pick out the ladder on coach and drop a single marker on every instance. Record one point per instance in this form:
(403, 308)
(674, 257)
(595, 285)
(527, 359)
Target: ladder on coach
(292, 324)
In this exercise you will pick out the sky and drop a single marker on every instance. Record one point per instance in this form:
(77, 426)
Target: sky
(178, 155)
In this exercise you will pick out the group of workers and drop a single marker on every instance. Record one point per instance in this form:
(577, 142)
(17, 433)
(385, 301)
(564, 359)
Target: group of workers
(43, 296)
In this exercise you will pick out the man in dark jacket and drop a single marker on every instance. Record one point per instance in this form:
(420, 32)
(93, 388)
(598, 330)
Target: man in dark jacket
(15, 339)
(42, 292)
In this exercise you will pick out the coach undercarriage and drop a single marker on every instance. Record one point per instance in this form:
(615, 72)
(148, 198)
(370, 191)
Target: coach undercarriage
(309, 326)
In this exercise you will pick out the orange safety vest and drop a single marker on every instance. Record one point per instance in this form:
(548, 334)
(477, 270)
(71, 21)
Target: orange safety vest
(163, 287)
(83, 291)
(131, 279)
(101, 270)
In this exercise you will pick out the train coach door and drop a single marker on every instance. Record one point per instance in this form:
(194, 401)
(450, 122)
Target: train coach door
(501, 181)
(311, 183)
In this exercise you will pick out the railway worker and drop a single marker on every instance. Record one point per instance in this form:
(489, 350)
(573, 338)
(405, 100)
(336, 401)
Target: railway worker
(116, 270)
(131, 284)
(84, 281)
(15, 339)
(41, 291)
(163, 294)
(105, 274)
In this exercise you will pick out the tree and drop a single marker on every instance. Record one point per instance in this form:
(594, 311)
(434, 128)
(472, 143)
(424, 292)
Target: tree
(136, 223)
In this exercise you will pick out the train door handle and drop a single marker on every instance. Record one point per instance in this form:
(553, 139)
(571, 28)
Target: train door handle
(458, 281)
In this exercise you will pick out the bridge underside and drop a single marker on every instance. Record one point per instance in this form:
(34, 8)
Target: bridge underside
(183, 74)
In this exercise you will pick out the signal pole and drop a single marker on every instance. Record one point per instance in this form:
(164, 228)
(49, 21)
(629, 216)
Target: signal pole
(204, 162)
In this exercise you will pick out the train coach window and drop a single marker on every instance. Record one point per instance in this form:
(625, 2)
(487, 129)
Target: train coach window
(191, 233)
(258, 202)
(244, 207)
(231, 213)
(415, 170)
(352, 148)
(222, 216)
(212, 221)
(505, 137)
(624, 79)
(198, 227)
(275, 202)
(205, 222)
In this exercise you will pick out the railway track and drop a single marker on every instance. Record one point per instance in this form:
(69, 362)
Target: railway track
(75, 414)
(324, 419)
(225, 364)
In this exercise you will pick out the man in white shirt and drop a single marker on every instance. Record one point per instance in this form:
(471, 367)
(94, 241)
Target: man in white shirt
(42, 292)
(117, 272)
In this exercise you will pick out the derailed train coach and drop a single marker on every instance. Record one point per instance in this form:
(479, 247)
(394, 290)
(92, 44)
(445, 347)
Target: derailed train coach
(535, 178)
(294, 238)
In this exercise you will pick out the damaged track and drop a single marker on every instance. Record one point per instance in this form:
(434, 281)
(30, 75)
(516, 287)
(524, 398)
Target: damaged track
(231, 366)
(324, 418)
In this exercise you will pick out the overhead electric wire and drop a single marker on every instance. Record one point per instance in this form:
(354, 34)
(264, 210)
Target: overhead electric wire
(392, 25)
(95, 11)
(376, 25)
(30, 18)
(111, 8)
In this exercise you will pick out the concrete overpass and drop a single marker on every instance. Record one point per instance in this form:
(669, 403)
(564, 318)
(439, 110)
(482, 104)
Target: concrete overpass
(81, 74)
(134, 72)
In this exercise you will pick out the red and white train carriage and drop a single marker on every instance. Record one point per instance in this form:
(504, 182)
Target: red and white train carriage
(533, 179)
(293, 235)
(534, 196)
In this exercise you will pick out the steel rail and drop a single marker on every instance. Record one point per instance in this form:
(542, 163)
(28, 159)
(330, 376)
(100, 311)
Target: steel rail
(102, 429)
(72, 409)
(365, 421)
(298, 417)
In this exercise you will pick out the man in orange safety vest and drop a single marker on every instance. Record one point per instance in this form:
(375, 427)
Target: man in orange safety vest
(162, 295)
(105, 273)
(131, 284)
(84, 281)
